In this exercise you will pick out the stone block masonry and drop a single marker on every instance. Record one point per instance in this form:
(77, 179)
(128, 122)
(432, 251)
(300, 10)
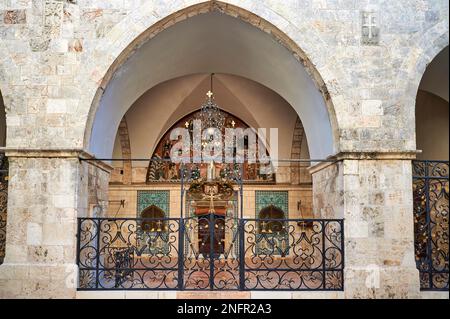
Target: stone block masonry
(374, 197)
(55, 54)
(57, 57)
(46, 197)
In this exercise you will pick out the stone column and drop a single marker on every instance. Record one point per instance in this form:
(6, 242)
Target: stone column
(97, 184)
(48, 190)
(373, 193)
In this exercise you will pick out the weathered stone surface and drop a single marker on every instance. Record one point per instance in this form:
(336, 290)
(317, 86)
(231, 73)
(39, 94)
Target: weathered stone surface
(15, 17)
(326, 32)
(46, 196)
(375, 196)
(39, 44)
(56, 54)
(75, 45)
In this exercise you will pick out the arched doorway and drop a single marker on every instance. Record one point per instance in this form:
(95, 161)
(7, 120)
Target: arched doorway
(432, 110)
(159, 171)
(204, 44)
(273, 235)
(254, 55)
(431, 175)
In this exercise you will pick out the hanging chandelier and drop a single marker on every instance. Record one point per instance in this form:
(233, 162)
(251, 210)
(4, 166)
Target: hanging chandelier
(210, 115)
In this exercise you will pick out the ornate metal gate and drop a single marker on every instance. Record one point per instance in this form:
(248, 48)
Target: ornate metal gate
(431, 222)
(3, 203)
(211, 246)
(210, 252)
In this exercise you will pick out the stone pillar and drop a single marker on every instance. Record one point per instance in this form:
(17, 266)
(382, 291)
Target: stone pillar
(374, 196)
(48, 190)
(98, 176)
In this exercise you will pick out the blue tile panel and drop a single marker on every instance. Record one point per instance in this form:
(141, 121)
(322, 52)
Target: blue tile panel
(160, 198)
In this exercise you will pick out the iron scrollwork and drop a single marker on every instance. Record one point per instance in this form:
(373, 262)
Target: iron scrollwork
(210, 252)
(3, 203)
(111, 255)
(431, 224)
(313, 256)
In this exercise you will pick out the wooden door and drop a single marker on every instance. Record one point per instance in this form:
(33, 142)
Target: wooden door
(205, 233)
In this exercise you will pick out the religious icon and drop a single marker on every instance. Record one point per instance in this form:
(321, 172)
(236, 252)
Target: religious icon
(173, 172)
(166, 149)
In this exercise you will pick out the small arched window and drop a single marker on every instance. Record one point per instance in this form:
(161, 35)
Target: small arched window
(153, 219)
(270, 226)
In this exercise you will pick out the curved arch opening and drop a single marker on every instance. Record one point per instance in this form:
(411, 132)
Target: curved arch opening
(212, 43)
(146, 126)
(158, 170)
(430, 174)
(432, 110)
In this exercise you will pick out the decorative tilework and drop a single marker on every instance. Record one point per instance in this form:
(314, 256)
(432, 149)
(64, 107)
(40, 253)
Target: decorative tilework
(270, 244)
(148, 240)
(278, 199)
(158, 198)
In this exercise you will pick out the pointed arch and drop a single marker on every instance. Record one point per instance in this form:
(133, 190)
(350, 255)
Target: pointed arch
(149, 22)
(427, 46)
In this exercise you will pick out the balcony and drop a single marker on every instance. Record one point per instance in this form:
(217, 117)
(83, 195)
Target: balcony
(210, 252)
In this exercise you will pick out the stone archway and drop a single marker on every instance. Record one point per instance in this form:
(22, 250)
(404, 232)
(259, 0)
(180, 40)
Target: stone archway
(430, 174)
(429, 44)
(37, 247)
(126, 41)
(431, 112)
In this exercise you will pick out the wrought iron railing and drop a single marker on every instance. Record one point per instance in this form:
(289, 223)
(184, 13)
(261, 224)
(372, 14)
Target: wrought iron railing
(309, 255)
(3, 203)
(210, 253)
(160, 170)
(431, 224)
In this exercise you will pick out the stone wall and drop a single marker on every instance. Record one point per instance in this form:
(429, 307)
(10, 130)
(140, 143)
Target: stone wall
(379, 245)
(57, 57)
(328, 188)
(374, 196)
(128, 193)
(41, 228)
(98, 187)
(47, 192)
(71, 45)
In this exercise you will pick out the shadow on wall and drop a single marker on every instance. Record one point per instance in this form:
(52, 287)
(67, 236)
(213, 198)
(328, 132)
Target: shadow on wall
(432, 114)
